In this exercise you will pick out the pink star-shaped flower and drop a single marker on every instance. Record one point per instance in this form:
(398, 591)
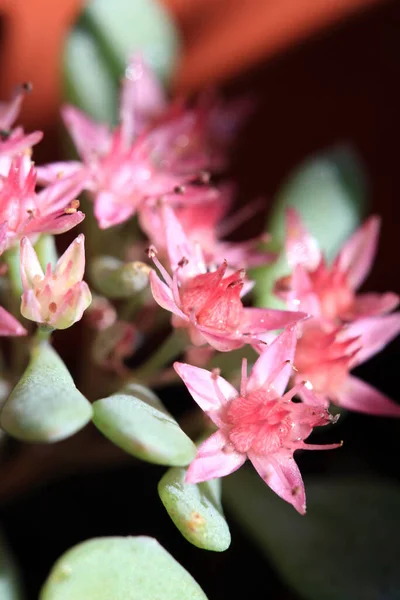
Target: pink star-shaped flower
(260, 422)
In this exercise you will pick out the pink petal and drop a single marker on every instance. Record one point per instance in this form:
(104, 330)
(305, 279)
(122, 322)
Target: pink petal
(274, 356)
(358, 253)
(72, 262)
(209, 391)
(361, 397)
(369, 305)
(54, 223)
(213, 461)
(29, 264)
(259, 320)
(88, 136)
(222, 343)
(162, 294)
(142, 98)
(375, 332)
(301, 247)
(178, 245)
(283, 476)
(53, 172)
(109, 211)
(9, 325)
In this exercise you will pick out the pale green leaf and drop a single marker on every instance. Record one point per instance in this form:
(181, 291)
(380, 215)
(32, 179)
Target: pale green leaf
(117, 568)
(45, 405)
(196, 510)
(136, 421)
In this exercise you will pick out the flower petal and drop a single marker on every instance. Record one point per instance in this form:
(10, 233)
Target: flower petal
(370, 305)
(301, 247)
(361, 397)
(72, 263)
(29, 264)
(213, 461)
(375, 334)
(283, 476)
(162, 294)
(259, 320)
(358, 253)
(9, 325)
(209, 391)
(274, 356)
(89, 137)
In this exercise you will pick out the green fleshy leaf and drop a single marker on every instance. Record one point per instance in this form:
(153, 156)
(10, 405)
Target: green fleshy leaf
(136, 421)
(346, 547)
(117, 568)
(100, 45)
(45, 405)
(10, 588)
(329, 191)
(196, 510)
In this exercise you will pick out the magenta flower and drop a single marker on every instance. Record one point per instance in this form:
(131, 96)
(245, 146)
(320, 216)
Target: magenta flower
(56, 298)
(208, 304)
(329, 293)
(27, 213)
(13, 141)
(154, 149)
(260, 422)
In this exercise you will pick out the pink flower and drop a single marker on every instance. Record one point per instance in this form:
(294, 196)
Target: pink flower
(13, 141)
(260, 422)
(56, 298)
(326, 360)
(346, 329)
(329, 293)
(154, 149)
(202, 212)
(9, 325)
(27, 213)
(208, 304)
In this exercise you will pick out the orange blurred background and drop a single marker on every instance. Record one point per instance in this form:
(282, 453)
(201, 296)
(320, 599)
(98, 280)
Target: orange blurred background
(221, 38)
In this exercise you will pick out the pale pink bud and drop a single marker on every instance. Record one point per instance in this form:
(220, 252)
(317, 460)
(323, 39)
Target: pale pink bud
(56, 298)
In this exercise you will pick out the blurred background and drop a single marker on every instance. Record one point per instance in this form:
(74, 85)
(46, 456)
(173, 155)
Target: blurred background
(322, 74)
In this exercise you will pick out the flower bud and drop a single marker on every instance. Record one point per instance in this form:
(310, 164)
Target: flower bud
(116, 279)
(56, 298)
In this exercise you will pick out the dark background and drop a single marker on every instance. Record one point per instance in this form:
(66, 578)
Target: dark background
(339, 87)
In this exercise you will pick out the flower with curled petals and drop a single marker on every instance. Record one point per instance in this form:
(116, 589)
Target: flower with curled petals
(56, 298)
(208, 303)
(260, 422)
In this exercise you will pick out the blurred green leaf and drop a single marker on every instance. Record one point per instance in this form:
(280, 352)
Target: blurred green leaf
(45, 405)
(103, 39)
(196, 510)
(136, 421)
(329, 191)
(117, 568)
(10, 588)
(347, 547)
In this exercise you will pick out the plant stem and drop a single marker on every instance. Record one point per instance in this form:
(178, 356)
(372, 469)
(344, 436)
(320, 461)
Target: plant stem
(169, 349)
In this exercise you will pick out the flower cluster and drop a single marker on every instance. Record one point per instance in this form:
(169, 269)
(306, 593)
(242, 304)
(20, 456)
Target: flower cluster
(156, 164)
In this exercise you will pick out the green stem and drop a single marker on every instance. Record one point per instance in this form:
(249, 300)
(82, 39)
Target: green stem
(169, 349)
(42, 334)
(12, 258)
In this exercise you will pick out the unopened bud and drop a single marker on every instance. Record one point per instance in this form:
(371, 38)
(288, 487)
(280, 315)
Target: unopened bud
(116, 279)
